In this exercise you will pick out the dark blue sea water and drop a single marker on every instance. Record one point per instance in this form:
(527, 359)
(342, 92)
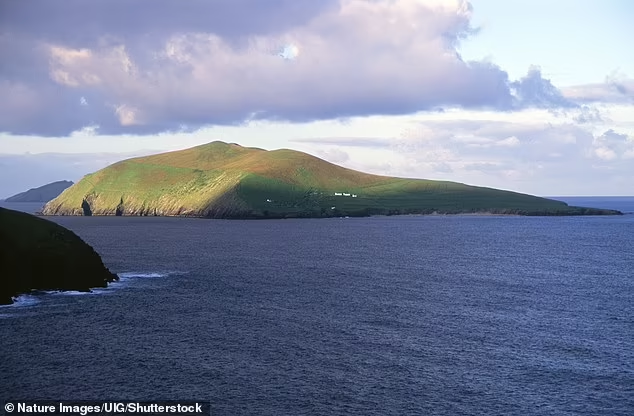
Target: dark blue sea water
(30, 207)
(440, 315)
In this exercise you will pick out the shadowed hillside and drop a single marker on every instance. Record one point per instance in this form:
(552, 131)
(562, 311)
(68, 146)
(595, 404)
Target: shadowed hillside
(37, 254)
(41, 194)
(220, 180)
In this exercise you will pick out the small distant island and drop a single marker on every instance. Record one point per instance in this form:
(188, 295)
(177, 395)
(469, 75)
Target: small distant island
(226, 180)
(42, 194)
(37, 254)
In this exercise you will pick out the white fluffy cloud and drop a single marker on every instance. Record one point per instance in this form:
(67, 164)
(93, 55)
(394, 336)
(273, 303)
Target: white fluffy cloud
(532, 151)
(612, 145)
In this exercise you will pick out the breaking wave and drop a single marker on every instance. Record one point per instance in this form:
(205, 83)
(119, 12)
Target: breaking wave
(140, 275)
(130, 275)
(23, 301)
(125, 278)
(20, 303)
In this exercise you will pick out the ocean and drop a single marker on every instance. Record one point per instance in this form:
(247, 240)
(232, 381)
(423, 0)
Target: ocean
(411, 315)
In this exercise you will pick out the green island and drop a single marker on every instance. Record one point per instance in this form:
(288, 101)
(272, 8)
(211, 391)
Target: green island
(41, 194)
(37, 254)
(221, 180)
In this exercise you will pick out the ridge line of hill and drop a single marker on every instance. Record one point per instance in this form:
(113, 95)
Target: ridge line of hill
(221, 180)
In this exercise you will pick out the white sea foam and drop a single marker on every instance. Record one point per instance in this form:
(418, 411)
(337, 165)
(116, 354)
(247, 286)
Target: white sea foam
(129, 275)
(70, 292)
(23, 301)
(125, 279)
(140, 275)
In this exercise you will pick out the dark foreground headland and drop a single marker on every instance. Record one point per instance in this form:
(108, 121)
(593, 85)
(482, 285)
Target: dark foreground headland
(37, 254)
(221, 180)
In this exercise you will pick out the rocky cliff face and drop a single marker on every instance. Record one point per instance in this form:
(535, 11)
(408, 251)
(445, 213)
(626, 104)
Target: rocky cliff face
(228, 205)
(37, 254)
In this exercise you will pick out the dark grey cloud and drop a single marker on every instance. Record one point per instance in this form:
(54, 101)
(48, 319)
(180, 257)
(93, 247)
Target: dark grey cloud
(27, 28)
(80, 23)
(150, 66)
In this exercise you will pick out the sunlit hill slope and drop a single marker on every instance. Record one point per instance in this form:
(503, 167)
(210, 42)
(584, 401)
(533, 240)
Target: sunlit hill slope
(220, 180)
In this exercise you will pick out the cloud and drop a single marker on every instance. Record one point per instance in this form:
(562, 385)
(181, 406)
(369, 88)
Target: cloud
(612, 145)
(333, 155)
(373, 142)
(485, 166)
(616, 89)
(511, 141)
(152, 66)
(536, 92)
(503, 152)
(587, 114)
(441, 167)
(78, 22)
(530, 151)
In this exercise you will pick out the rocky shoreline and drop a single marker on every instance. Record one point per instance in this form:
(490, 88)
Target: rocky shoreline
(38, 254)
(245, 215)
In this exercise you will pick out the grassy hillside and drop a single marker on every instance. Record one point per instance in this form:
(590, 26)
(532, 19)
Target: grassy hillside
(221, 180)
(41, 194)
(39, 254)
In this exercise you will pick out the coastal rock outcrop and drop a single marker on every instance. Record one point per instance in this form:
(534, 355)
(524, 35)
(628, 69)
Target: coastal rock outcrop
(37, 254)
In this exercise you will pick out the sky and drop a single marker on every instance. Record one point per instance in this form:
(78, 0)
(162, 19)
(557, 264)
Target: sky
(533, 96)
